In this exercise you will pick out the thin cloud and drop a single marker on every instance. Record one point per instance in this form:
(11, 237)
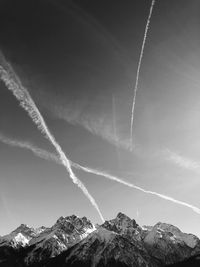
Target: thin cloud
(181, 161)
(30, 147)
(100, 125)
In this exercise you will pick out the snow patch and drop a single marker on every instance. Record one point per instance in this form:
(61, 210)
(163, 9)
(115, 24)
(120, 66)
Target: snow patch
(159, 232)
(160, 229)
(173, 238)
(144, 227)
(39, 230)
(87, 232)
(21, 239)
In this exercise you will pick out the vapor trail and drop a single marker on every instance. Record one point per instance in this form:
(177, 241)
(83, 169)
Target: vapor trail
(52, 157)
(119, 180)
(12, 82)
(41, 153)
(138, 72)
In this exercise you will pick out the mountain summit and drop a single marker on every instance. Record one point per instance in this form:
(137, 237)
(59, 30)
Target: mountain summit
(74, 241)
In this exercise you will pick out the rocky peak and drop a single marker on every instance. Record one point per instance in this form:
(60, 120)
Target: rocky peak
(19, 237)
(173, 233)
(122, 216)
(64, 224)
(125, 220)
(167, 238)
(121, 224)
(40, 229)
(23, 229)
(66, 232)
(167, 227)
(71, 223)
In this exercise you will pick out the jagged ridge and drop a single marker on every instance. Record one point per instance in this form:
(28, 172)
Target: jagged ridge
(74, 241)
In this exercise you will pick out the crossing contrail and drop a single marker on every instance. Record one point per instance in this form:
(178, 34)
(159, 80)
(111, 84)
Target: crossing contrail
(13, 83)
(138, 72)
(53, 157)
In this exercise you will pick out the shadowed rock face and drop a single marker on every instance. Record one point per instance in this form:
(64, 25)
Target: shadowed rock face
(104, 248)
(120, 224)
(124, 226)
(74, 241)
(191, 262)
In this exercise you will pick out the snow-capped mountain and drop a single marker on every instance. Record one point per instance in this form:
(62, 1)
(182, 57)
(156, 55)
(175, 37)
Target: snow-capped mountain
(74, 241)
(168, 244)
(62, 235)
(21, 236)
(124, 226)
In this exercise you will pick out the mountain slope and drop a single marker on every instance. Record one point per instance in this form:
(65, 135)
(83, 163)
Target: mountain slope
(20, 236)
(169, 245)
(104, 248)
(74, 241)
(62, 235)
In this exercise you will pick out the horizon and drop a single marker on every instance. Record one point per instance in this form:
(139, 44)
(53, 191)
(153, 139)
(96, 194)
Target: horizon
(48, 226)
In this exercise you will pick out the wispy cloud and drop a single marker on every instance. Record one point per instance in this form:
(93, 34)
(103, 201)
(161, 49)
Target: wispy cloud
(103, 124)
(100, 125)
(181, 161)
(29, 146)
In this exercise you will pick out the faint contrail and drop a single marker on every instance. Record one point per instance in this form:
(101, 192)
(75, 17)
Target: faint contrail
(28, 146)
(52, 157)
(12, 82)
(138, 72)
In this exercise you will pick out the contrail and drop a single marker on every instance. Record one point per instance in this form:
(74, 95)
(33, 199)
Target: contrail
(52, 157)
(119, 180)
(138, 72)
(12, 82)
(28, 146)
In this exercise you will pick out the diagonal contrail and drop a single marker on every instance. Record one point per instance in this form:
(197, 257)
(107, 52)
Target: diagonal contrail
(13, 83)
(121, 181)
(138, 72)
(52, 157)
(41, 153)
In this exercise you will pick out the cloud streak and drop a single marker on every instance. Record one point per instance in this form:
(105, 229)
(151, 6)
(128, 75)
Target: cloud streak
(41, 153)
(181, 161)
(52, 157)
(138, 71)
(13, 83)
(99, 125)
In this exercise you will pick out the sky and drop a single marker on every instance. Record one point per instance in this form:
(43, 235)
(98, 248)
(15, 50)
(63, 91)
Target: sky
(78, 60)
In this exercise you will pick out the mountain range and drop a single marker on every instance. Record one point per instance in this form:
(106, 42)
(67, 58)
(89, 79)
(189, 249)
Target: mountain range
(120, 242)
